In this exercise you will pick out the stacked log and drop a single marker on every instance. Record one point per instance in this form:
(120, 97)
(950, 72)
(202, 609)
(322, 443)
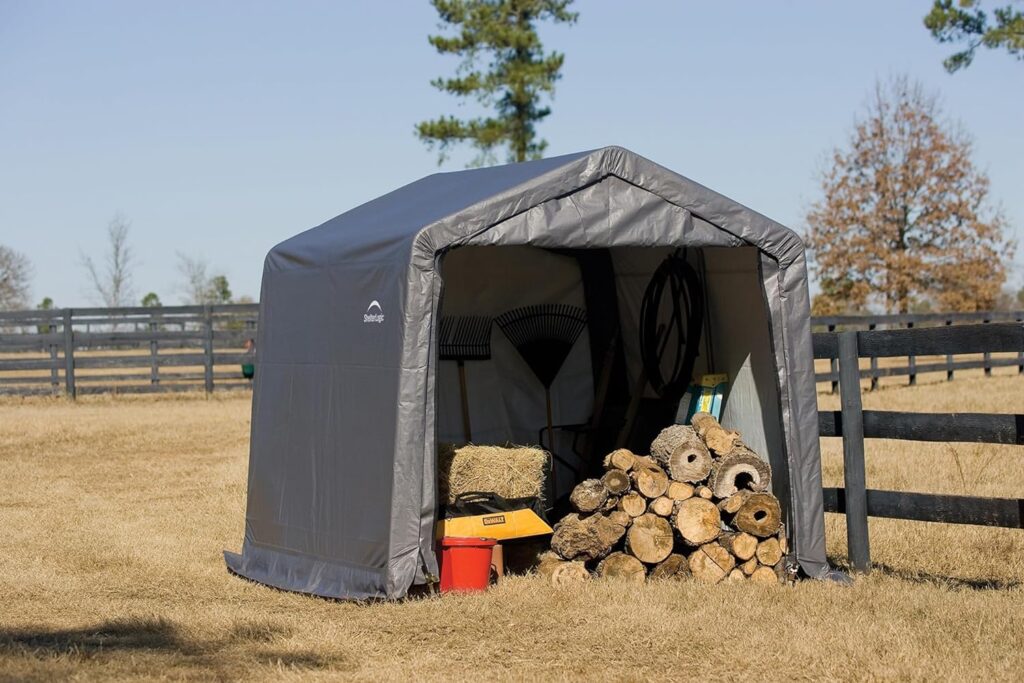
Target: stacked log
(699, 506)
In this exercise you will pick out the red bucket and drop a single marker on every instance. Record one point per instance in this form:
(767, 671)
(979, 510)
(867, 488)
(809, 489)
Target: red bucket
(465, 563)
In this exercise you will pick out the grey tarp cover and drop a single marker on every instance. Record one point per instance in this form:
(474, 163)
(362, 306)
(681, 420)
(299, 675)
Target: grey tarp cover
(341, 488)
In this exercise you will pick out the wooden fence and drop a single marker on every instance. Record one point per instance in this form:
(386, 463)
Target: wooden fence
(909, 321)
(854, 424)
(125, 350)
(192, 347)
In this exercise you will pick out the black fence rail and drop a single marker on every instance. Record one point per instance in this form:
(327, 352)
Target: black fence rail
(56, 343)
(910, 321)
(125, 350)
(854, 424)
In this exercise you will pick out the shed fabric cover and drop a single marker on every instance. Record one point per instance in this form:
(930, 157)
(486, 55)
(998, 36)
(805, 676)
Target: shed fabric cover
(341, 488)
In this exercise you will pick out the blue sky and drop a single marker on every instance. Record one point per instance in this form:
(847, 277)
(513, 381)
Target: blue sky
(221, 128)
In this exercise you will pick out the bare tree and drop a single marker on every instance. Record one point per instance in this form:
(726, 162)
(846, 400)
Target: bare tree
(15, 273)
(198, 286)
(113, 281)
(194, 278)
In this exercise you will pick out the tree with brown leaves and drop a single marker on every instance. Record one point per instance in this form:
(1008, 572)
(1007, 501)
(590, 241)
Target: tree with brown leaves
(905, 218)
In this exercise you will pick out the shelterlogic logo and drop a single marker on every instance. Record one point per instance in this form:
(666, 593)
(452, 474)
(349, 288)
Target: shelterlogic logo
(374, 313)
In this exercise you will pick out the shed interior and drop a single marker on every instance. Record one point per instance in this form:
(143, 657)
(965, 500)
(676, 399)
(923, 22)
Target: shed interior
(506, 401)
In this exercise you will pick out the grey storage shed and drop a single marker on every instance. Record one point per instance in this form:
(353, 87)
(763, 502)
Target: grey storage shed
(350, 398)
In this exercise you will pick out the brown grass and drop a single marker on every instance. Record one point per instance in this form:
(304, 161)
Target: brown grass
(114, 513)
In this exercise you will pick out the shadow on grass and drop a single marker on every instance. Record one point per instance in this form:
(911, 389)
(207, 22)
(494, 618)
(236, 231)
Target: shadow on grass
(118, 637)
(112, 635)
(930, 578)
(953, 582)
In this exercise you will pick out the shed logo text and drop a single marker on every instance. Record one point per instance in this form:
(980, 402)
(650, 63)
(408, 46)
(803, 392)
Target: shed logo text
(374, 313)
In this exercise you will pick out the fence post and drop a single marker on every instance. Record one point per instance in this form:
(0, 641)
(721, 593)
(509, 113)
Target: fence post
(54, 367)
(208, 347)
(949, 360)
(69, 355)
(154, 352)
(988, 357)
(833, 365)
(853, 453)
(911, 361)
(874, 365)
(1020, 356)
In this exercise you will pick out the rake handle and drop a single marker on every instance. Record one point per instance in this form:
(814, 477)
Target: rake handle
(467, 432)
(551, 444)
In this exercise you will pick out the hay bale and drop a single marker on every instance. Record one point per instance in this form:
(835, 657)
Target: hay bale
(509, 471)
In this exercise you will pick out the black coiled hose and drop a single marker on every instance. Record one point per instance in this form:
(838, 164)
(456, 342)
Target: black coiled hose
(685, 323)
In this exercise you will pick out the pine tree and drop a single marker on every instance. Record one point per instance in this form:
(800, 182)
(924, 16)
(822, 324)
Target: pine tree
(964, 22)
(513, 82)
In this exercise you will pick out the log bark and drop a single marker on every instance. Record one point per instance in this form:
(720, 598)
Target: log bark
(661, 506)
(651, 481)
(633, 504)
(742, 545)
(769, 552)
(717, 438)
(749, 566)
(649, 539)
(589, 495)
(675, 566)
(620, 459)
(679, 490)
(697, 520)
(616, 481)
(585, 538)
(759, 515)
(783, 573)
(562, 573)
(622, 566)
(739, 469)
(682, 453)
(621, 518)
(704, 492)
(764, 575)
(733, 503)
(711, 563)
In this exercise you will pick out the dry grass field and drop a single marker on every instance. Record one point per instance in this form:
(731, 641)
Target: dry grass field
(114, 513)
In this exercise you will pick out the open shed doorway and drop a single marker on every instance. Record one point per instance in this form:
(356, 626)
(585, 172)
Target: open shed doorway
(603, 370)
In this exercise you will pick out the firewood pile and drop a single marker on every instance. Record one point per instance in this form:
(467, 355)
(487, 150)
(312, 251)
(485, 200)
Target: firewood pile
(698, 506)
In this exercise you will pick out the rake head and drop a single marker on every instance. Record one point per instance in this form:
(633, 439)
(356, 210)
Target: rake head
(465, 337)
(543, 335)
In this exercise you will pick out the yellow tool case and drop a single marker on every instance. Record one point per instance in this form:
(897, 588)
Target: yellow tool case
(488, 515)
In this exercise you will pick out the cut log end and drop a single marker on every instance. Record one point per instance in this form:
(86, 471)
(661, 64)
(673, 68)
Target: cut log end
(616, 481)
(622, 566)
(679, 490)
(620, 459)
(563, 573)
(661, 506)
(742, 545)
(738, 470)
(711, 563)
(697, 520)
(589, 495)
(633, 504)
(717, 438)
(759, 515)
(651, 481)
(675, 566)
(764, 575)
(649, 539)
(769, 552)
